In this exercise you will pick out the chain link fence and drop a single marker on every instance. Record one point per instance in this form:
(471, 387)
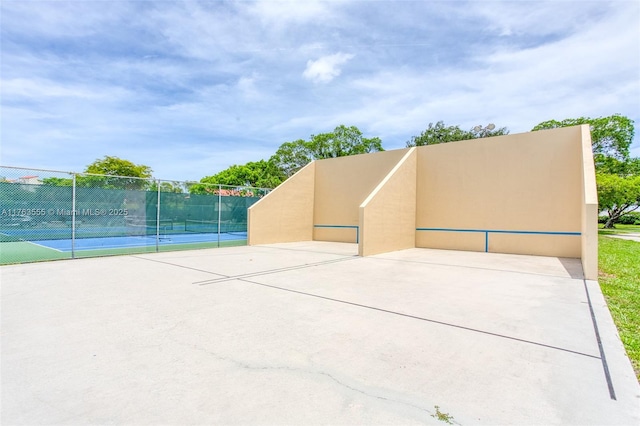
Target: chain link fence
(46, 215)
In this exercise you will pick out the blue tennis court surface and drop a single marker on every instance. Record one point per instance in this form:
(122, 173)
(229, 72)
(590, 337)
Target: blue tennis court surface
(97, 243)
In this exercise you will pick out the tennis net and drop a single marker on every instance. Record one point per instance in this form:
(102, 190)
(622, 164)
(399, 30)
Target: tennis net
(143, 226)
(211, 227)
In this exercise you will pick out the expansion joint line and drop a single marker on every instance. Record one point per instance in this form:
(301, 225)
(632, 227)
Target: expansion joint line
(461, 327)
(273, 271)
(180, 266)
(605, 366)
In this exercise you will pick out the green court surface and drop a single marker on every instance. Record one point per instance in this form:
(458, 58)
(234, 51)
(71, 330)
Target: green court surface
(25, 251)
(91, 216)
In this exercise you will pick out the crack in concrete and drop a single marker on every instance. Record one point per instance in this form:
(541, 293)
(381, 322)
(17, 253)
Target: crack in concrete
(247, 366)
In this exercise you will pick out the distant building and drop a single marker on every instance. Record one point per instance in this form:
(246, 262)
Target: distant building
(29, 180)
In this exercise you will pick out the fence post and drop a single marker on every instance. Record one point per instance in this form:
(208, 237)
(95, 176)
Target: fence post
(158, 218)
(219, 211)
(73, 217)
(114, 208)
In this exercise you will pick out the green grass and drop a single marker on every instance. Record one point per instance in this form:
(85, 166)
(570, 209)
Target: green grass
(443, 417)
(619, 229)
(619, 277)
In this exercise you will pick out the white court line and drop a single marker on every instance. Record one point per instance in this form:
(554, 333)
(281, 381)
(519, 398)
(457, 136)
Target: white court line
(50, 248)
(31, 242)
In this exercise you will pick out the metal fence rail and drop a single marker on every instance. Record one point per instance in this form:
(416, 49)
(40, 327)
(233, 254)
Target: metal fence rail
(47, 214)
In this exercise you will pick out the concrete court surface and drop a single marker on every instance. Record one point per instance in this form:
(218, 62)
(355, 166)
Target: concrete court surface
(309, 333)
(629, 236)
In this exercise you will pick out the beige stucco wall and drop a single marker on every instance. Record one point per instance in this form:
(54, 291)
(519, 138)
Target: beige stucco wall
(529, 193)
(342, 184)
(388, 214)
(285, 214)
(529, 182)
(589, 212)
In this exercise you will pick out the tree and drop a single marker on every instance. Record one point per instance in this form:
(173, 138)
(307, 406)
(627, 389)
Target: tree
(260, 174)
(488, 131)
(617, 195)
(56, 181)
(292, 156)
(617, 175)
(610, 136)
(110, 166)
(118, 168)
(342, 141)
(439, 133)
(166, 186)
(611, 165)
(618, 187)
(115, 166)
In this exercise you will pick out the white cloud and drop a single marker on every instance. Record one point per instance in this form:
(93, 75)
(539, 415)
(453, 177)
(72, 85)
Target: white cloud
(326, 68)
(284, 13)
(247, 87)
(64, 18)
(38, 89)
(222, 82)
(514, 18)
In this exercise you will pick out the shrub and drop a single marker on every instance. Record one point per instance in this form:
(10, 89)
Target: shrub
(631, 218)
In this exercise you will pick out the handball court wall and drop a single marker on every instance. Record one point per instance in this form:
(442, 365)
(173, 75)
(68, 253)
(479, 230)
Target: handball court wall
(530, 193)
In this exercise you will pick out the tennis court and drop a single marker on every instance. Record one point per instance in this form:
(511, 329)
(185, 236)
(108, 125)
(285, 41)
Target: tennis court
(49, 215)
(20, 245)
(15, 250)
(311, 333)
(99, 243)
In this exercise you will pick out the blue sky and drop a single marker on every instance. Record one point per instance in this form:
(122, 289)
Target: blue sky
(190, 88)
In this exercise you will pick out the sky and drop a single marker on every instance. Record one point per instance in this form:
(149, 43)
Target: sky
(192, 87)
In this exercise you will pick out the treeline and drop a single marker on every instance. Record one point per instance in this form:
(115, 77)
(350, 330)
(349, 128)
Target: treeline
(617, 173)
(342, 141)
(292, 156)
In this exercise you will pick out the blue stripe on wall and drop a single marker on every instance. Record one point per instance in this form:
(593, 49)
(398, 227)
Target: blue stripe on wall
(499, 231)
(356, 227)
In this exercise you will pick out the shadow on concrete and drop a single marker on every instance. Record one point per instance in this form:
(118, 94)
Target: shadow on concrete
(573, 267)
